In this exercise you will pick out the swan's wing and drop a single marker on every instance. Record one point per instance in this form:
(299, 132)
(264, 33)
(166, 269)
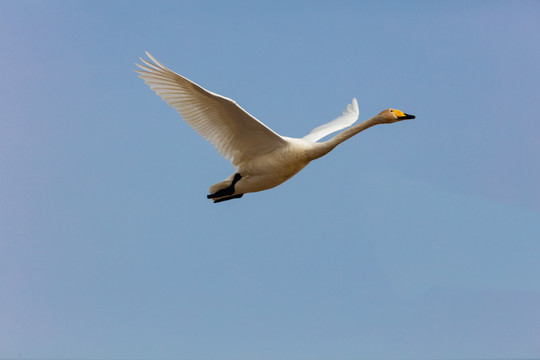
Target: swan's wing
(236, 134)
(350, 115)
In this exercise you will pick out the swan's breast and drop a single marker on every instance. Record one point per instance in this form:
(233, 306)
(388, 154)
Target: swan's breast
(284, 160)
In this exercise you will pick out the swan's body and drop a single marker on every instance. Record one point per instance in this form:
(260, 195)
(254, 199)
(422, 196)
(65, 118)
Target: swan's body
(262, 158)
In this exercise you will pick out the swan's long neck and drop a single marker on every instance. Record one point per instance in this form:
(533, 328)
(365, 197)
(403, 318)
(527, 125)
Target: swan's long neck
(329, 145)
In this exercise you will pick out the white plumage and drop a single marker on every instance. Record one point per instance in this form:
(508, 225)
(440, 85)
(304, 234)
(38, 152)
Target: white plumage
(349, 117)
(262, 158)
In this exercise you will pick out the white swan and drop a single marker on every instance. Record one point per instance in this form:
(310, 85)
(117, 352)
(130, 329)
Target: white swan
(262, 158)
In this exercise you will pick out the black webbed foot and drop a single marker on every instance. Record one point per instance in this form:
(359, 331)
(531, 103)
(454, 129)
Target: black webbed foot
(237, 196)
(229, 190)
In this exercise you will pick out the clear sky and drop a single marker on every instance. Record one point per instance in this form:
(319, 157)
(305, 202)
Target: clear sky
(416, 240)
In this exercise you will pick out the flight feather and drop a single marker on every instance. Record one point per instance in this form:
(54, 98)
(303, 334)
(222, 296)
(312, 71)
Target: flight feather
(237, 135)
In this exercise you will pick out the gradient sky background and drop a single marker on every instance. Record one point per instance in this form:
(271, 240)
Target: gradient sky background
(414, 240)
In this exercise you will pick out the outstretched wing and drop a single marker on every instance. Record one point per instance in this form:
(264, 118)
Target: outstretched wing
(349, 117)
(236, 134)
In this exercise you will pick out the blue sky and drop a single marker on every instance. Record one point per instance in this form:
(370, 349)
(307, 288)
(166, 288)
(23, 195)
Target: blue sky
(414, 240)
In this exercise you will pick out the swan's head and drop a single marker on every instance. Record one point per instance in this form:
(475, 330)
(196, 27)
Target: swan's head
(393, 115)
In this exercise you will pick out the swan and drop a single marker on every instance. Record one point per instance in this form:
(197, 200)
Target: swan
(262, 158)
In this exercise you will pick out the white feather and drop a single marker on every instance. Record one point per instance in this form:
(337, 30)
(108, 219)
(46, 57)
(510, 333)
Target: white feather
(235, 133)
(349, 117)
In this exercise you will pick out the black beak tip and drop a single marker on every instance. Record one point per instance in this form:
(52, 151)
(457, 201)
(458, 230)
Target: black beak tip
(407, 116)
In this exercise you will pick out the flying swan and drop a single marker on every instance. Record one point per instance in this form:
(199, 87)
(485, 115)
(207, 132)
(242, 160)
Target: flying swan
(262, 158)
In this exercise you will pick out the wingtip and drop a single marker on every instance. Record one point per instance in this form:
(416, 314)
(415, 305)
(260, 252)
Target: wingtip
(154, 62)
(151, 57)
(355, 104)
